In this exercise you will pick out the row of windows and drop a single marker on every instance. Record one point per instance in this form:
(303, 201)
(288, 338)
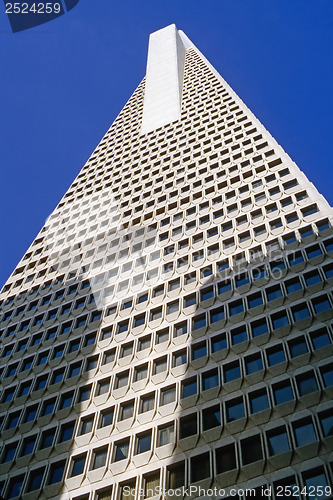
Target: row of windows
(277, 267)
(169, 251)
(191, 185)
(129, 247)
(175, 132)
(275, 441)
(180, 265)
(295, 349)
(227, 457)
(259, 400)
(205, 220)
(172, 478)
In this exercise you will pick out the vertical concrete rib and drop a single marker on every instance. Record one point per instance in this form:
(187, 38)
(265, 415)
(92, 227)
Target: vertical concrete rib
(164, 79)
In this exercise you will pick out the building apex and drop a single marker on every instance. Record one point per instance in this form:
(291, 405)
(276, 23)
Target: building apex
(164, 79)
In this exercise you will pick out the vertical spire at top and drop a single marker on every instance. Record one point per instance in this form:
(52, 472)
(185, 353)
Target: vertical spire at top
(164, 79)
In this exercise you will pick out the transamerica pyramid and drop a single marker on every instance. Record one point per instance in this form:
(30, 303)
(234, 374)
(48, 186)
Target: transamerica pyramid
(169, 331)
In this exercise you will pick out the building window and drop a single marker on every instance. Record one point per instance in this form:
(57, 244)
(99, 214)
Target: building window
(109, 356)
(144, 343)
(200, 467)
(217, 314)
(276, 355)
(84, 394)
(9, 452)
(251, 449)
(180, 329)
(278, 441)
(162, 336)
(47, 438)
(199, 322)
(210, 379)
(225, 459)
(147, 403)
(28, 445)
(91, 363)
(253, 363)
(219, 342)
(238, 335)
(35, 479)
(128, 491)
(304, 432)
(188, 426)
(48, 407)
(168, 395)
(224, 286)
(78, 463)
(151, 484)
(258, 401)
(74, 369)
(74, 345)
(301, 311)
(179, 358)
(231, 371)
(259, 327)
(320, 338)
(312, 278)
(235, 409)
(104, 494)
(127, 410)
(315, 479)
(199, 350)
(321, 304)
(236, 307)
(279, 320)
(284, 485)
(13, 419)
(306, 383)
(57, 376)
(211, 417)
(298, 347)
(254, 300)
(293, 285)
(106, 417)
(86, 424)
(56, 472)
(326, 423)
(327, 375)
(103, 386)
(273, 293)
(122, 450)
(176, 476)
(30, 413)
(143, 442)
(160, 365)
(66, 432)
(66, 400)
(189, 388)
(166, 434)
(282, 392)
(99, 457)
(190, 300)
(15, 486)
(121, 380)
(313, 252)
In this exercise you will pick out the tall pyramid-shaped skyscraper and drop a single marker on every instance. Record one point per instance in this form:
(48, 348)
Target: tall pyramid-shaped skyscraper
(170, 325)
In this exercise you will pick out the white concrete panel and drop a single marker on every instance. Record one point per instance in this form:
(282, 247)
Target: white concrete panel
(164, 79)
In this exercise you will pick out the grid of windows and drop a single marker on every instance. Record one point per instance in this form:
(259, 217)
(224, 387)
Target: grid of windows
(210, 293)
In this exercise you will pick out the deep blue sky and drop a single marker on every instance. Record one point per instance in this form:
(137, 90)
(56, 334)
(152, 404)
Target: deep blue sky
(62, 85)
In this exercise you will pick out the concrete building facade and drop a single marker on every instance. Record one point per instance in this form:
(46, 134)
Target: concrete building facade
(171, 325)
